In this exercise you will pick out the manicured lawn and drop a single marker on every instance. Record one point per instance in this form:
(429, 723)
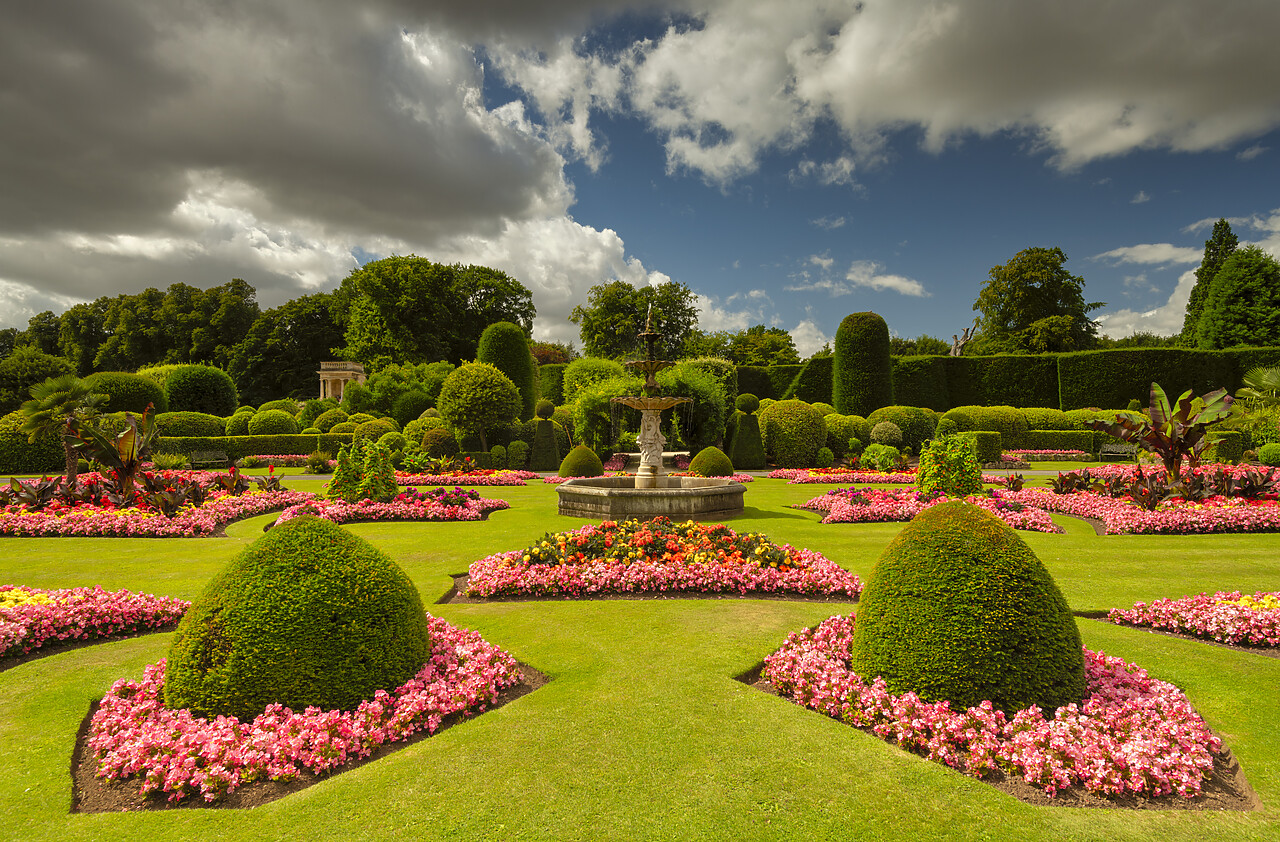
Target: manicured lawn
(642, 733)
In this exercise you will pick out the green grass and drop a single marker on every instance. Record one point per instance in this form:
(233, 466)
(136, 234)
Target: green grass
(643, 734)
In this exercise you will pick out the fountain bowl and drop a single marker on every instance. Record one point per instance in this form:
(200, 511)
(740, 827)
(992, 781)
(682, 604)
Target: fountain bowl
(679, 498)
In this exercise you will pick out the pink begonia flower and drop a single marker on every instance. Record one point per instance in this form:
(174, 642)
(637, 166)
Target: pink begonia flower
(81, 614)
(1227, 617)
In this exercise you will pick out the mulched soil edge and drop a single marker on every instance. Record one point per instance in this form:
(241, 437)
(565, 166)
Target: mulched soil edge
(91, 794)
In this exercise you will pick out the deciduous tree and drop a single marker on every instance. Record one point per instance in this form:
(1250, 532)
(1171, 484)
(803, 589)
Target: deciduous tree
(1032, 303)
(617, 312)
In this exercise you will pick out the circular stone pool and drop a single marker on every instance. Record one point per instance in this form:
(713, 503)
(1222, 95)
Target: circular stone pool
(679, 498)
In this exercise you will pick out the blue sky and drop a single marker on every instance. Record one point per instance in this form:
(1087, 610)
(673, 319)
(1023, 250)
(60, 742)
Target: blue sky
(791, 162)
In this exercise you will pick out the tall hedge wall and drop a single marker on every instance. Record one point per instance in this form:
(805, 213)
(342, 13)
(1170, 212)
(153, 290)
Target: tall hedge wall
(1110, 379)
(551, 382)
(237, 446)
(755, 380)
(1016, 380)
(780, 379)
(862, 377)
(920, 381)
(813, 384)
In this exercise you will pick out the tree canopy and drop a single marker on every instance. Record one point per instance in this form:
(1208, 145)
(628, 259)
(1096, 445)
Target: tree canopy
(1243, 304)
(1221, 243)
(1033, 304)
(616, 313)
(282, 351)
(756, 345)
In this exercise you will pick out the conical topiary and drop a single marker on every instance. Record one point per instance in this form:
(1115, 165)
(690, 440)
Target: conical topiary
(309, 614)
(959, 608)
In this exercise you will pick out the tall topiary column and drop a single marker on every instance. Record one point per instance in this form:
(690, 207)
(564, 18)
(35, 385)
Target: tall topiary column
(862, 375)
(545, 454)
(505, 347)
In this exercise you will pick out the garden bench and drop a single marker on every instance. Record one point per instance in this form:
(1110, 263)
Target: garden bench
(1117, 448)
(209, 458)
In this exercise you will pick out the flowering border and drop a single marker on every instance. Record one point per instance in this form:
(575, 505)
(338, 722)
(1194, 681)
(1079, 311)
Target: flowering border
(72, 614)
(1131, 734)
(339, 511)
(902, 504)
(1175, 517)
(132, 734)
(1226, 617)
(512, 477)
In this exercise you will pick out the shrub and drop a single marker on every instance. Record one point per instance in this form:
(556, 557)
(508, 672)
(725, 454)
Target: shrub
(390, 440)
(1228, 446)
(544, 408)
(190, 424)
(563, 416)
(439, 442)
(272, 422)
(855, 446)
(747, 402)
(551, 381)
(792, 431)
(862, 375)
(378, 476)
(1038, 418)
(986, 444)
(19, 456)
(359, 418)
(946, 427)
(702, 422)
(746, 451)
(310, 431)
(917, 423)
(517, 455)
(887, 432)
(824, 408)
(498, 456)
(824, 458)
(1269, 454)
(129, 392)
(410, 406)
(882, 457)
(357, 397)
(585, 371)
(476, 397)
(344, 427)
(582, 461)
(724, 371)
(318, 463)
(949, 465)
(309, 614)
(961, 418)
(313, 409)
(594, 410)
(24, 368)
(711, 462)
(375, 429)
(504, 346)
(158, 373)
(283, 404)
(959, 609)
(201, 388)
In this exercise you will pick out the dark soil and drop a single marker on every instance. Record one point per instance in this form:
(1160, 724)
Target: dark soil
(457, 595)
(91, 794)
(1226, 788)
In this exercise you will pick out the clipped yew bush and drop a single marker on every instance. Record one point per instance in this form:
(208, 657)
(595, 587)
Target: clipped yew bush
(862, 374)
(410, 406)
(585, 371)
(505, 346)
(1041, 418)
(959, 609)
(439, 442)
(190, 424)
(582, 461)
(129, 392)
(792, 431)
(309, 614)
(477, 397)
(711, 462)
(886, 432)
(282, 404)
(544, 453)
(375, 429)
(327, 419)
(344, 427)
(916, 423)
(201, 388)
(273, 422)
(238, 424)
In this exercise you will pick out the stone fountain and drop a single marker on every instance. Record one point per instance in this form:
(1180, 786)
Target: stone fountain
(651, 492)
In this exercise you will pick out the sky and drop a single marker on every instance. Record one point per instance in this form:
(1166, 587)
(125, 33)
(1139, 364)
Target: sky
(789, 161)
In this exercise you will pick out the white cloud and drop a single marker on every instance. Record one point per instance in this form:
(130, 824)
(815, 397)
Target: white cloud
(822, 260)
(1164, 320)
(866, 273)
(1252, 152)
(1140, 198)
(829, 223)
(1152, 253)
(808, 338)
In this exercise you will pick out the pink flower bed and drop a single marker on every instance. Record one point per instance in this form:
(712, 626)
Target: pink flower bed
(658, 556)
(470, 478)
(190, 522)
(1131, 734)
(288, 460)
(79, 614)
(1045, 455)
(553, 480)
(397, 509)
(1174, 517)
(133, 735)
(898, 505)
(557, 480)
(840, 477)
(1227, 617)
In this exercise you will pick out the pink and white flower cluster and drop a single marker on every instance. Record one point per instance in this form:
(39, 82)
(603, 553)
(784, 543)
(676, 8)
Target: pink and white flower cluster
(471, 478)
(339, 511)
(1045, 455)
(80, 614)
(133, 735)
(1174, 517)
(799, 476)
(1227, 617)
(897, 505)
(190, 522)
(287, 460)
(1131, 733)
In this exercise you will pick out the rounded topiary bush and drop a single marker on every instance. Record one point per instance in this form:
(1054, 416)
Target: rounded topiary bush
(824, 408)
(505, 346)
(946, 427)
(238, 424)
(711, 462)
(273, 422)
(586, 371)
(128, 392)
(1042, 418)
(343, 427)
(201, 388)
(824, 458)
(792, 431)
(309, 614)
(840, 428)
(1269, 454)
(861, 378)
(359, 418)
(959, 608)
(313, 409)
(962, 419)
(917, 423)
(282, 404)
(310, 431)
(326, 420)
(410, 406)
(747, 402)
(19, 455)
(376, 429)
(439, 442)
(544, 408)
(887, 432)
(392, 440)
(190, 424)
(582, 461)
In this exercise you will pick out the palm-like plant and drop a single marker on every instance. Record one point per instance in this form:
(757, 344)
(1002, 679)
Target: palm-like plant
(1261, 387)
(121, 454)
(54, 404)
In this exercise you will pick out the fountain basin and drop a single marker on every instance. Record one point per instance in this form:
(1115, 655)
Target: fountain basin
(679, 498)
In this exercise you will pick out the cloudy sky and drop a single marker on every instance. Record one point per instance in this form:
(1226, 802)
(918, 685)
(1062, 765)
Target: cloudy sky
(790, 161)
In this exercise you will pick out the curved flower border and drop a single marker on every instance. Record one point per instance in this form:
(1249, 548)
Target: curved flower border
(897, 505)
(339, 511)
(465, 479)
(1131, 734)
(1177, 517)
(1225, 617)
(81, 614)
(132, 734)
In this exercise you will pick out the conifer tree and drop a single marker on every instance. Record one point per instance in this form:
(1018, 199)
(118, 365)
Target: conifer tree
(1221, 243)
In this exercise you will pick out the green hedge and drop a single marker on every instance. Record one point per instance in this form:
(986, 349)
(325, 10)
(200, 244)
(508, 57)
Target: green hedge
(551, 382)
(190, 424)
(920, 381)
(1016, 380)
(813, 384)
(986, 444)
(755, 380)
(1229, 447)
(780, 379)
(18, 456)
(862, 379)
(1110, 379)
(238, 446)
(1059, 440)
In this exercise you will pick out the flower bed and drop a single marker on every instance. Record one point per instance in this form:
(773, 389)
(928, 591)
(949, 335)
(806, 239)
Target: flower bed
(1045, 456)
(658, 556)
(485, 476)
(1227, 617)
(189, 522)
(133, 735)
(553, 480)
(31, 618)
(841, 476)
(1173, 517)
(847, 505)
(289, 460)
(436, 505)
(1131, 734)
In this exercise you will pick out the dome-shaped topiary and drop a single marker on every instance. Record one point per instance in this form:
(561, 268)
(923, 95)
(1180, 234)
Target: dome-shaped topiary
(343, 427)
(544, 408)
(1269, 454)
(505, 346)
(201, 388)
(410, 406)
(273, 422)
(747, 402)
(126, 392)
(392, 440)
(238, 424)
(959, 608)
(309, 614)
(190, 424)
(439, 442)
(886, 432)
(792, 432)
(582, 461)
(326, 420)
(711, 462)
(916, 423)
(359, 418)
(283, 404)
(376, 429)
